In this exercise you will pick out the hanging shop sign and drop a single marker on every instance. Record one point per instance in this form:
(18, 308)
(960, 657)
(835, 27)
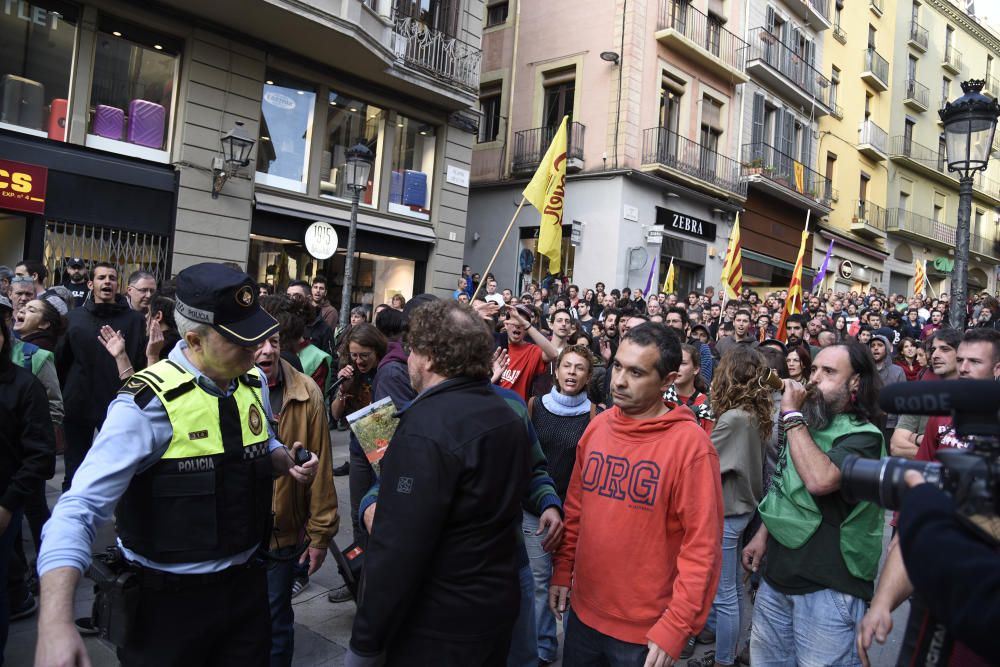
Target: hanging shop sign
(321, 240)
(685, 224)
(22, 186)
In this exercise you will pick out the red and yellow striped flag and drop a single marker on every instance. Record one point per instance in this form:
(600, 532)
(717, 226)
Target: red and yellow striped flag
(732, 269)
(793, 303)
(919, 276)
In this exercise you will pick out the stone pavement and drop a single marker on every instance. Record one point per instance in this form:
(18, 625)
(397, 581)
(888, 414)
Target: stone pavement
(322, 629)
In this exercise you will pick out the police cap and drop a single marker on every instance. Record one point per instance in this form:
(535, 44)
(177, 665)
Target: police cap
(226, 299)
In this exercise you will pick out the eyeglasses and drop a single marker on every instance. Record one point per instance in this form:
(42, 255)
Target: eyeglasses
(360, 356)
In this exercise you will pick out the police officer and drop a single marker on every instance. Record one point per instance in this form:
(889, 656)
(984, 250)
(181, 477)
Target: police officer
(187, 453)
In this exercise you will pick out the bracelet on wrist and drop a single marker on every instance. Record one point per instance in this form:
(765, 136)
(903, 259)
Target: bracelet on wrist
(122, 373)
(791, 414)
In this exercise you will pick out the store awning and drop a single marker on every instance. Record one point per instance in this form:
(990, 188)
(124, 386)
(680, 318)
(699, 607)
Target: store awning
(336, 216)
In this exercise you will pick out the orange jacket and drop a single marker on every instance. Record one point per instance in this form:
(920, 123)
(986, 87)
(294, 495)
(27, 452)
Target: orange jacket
(643, 541)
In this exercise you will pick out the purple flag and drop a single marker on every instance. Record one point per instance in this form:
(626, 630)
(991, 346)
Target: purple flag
(821, 274)
(649, 280)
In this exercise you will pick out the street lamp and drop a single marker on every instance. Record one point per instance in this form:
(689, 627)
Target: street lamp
(236, 146)
(969, 125)
(356, 173)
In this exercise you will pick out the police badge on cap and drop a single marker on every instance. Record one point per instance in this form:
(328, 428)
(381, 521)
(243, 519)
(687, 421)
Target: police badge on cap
(226, 299)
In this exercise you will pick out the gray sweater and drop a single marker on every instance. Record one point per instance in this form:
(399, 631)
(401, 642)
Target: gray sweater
(741, 460)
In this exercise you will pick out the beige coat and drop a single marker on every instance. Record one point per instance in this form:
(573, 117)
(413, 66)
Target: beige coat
(298, 508)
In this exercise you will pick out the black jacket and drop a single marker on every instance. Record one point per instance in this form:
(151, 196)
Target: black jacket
(956, 573)
(27, 441)
(319, 333)
(443, 554)
(88, 373)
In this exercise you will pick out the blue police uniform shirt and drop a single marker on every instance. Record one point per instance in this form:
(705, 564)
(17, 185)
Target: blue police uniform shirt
(131, 440)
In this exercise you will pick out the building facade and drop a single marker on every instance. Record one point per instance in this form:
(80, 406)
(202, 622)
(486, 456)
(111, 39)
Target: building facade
(653, 91)
(938, 46)
(125, 105)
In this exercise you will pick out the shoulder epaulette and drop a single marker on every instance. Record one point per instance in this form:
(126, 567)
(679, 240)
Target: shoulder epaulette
(139, 389)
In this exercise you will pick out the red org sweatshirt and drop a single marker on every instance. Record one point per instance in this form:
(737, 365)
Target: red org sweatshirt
(643, 541)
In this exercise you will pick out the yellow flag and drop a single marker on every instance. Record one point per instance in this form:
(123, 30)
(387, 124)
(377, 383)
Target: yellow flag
(732, 269)
(545, 192)
(668, 282)
(800, 175)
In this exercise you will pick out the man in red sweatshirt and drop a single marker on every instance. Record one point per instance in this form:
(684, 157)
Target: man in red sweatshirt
(642, 547)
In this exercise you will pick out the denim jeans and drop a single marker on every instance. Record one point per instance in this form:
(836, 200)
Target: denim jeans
(279, 594)
(726, 617)
(586, 647)
(541, 570)
(812, 630)
(6, 550)
(523, 643)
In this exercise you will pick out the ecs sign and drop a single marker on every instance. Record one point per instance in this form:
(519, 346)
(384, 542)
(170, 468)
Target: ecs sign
(22, 186)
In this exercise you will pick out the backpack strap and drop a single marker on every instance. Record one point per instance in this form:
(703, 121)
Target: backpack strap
(531, 407)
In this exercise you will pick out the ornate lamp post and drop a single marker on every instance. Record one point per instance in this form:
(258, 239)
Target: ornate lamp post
(359, 168)
(969, 125)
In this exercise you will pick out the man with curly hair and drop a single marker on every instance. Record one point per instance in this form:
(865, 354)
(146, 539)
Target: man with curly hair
(449, 508)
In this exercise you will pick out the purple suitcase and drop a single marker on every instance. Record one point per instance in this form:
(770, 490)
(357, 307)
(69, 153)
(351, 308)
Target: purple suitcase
(145, 123)
(108, 122)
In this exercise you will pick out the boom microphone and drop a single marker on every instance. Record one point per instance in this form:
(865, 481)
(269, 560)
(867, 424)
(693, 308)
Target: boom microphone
(973, 404)
(940, 397)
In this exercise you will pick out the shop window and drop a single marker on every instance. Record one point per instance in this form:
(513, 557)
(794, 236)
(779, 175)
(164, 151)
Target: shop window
(36, 58)
(412, 168)
(535, 267)
(349, 122)
(286, 120)
(132, 96)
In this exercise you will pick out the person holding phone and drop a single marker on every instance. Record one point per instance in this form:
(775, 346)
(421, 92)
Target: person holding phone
(525, 360)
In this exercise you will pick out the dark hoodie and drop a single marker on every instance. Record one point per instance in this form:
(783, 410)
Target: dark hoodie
(392, 377)
(88, 373)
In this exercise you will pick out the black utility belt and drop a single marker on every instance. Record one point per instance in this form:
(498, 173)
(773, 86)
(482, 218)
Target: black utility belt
(158, 580)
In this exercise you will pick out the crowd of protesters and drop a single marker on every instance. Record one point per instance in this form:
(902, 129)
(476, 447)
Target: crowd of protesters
(656, 447)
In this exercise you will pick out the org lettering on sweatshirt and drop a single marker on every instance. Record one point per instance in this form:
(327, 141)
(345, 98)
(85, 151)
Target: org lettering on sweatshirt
(618, 478)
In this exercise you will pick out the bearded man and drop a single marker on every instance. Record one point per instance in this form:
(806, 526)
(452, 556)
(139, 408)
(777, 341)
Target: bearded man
(822, 550)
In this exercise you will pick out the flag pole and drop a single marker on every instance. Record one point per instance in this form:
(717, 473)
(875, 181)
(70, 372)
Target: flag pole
(489, 267)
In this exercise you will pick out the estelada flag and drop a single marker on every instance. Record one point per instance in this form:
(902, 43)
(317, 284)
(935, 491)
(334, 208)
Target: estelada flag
(732, 269)
(920, 276)
(793, 303)
(668, 282)
(545, 192)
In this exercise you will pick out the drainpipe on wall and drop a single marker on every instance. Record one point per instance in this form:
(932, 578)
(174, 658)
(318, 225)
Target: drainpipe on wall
(509, 130)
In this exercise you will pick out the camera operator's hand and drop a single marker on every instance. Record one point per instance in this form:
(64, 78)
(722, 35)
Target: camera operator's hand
(913, 478)
(793, 395)
(877, 624)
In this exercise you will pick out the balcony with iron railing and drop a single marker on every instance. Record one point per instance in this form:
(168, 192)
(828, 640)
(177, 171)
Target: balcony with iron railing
(952, 59)
(815, 12)
(992, 87)
(917, 95)
(872, 140)
(868, 220)
(918, 36)
(840, 34)
(985, 246)
(877, 7)
(786, 72)
(927, 160)
(530, 146)
(436, 53)
(679, 158)
(786, 177)
(876, 70)
(919, 227)
(702, 38)
(987, 187)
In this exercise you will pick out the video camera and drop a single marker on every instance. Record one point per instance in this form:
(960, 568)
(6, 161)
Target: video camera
(970, 476)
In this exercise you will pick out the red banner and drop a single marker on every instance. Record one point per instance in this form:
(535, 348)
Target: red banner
(22, 186)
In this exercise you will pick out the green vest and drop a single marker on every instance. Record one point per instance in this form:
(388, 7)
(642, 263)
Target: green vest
(38, 356)
(311, 358)
(209, 495)
(791, 515)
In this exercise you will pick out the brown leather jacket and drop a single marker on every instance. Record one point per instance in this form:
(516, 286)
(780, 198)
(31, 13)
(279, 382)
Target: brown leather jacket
(298, 509)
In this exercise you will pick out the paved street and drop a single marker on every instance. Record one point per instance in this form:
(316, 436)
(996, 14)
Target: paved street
(322, 629)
